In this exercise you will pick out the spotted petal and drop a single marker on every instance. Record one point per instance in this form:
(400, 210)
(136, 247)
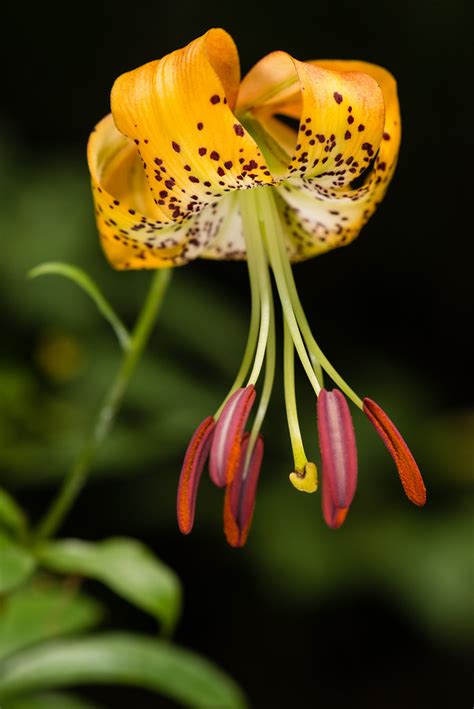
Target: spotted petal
(335, 169)
(174, 156)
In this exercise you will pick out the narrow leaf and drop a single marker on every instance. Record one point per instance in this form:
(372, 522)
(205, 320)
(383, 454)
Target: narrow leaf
(116, 658)
(51, 700)
(16, 564)
(12, 518)
(42, 611)
(87, 284)
(126, 566)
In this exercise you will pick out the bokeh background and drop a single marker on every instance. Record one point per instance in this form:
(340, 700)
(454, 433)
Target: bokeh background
(379, 613)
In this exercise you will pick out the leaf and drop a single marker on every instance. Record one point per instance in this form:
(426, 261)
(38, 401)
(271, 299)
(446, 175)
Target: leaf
(16, 564)
(126, 566)
(42, 611)
(12, 518)
(51, 700)
(78, 276)
(119, 658)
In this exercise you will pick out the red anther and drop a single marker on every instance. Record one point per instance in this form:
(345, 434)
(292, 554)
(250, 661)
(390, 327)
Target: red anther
(240, 495)
(225, 451)
(339, 455)
(408, 470)
(194, 460)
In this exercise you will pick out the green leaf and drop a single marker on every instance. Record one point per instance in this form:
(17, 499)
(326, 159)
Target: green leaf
(42, 611)
(126, 566)
(16, 564)
(87, 284)
(12, 518)
(116, 658)
(51, 700)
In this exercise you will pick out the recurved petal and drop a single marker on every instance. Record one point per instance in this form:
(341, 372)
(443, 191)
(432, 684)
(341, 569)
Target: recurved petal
(178, 111)
(194, 461)
(344, 153)
(134, 231)
(340, 114)
(240, 495)
(408, 470)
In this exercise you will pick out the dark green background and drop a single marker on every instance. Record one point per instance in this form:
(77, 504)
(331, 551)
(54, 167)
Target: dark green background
(378, 614)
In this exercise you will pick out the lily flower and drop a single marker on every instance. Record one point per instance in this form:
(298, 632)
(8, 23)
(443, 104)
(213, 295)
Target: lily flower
(285, 165)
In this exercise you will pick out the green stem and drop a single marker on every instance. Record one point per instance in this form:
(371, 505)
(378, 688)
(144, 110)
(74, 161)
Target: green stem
(75, 480)
(297, 308)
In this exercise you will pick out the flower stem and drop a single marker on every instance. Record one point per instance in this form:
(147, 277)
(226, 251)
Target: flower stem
(75, 480)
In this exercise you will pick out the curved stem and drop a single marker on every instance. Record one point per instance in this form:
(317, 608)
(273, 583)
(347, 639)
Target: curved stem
(75, 480)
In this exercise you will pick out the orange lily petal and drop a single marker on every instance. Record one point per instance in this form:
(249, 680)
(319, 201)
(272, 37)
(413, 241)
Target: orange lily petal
(349, 129)
(133, 232)
(178, 111)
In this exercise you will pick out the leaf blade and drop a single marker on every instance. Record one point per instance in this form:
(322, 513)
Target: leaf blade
(123, 659)
(85, 282)
(44, 610)
(126, 566)
(16, 564)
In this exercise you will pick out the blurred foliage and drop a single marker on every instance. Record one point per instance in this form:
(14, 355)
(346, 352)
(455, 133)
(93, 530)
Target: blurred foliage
(57, 359)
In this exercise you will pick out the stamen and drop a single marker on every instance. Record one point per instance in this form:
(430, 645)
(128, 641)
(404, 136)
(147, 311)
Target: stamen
(408, 470)
(240, 495)
(256, 255)
(266, 389)
(196, 456)
(333, 516)
(252, 336)
(269, 226)
(304, 477)
(338, 450)
(278, 242)
(226, 446)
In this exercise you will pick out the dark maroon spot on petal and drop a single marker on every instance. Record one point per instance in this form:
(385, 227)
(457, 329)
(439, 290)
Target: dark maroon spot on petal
(347, 135)
(238, 129)
(176, 147)
(337, 97)
(360, 127)
(386, 136)
(214, 155)
(215, 99)
(202, 151)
